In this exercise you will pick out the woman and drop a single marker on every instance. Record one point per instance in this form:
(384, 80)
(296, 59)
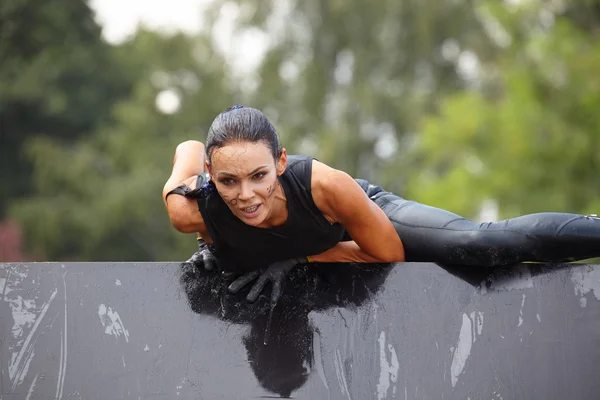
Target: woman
(252, 206)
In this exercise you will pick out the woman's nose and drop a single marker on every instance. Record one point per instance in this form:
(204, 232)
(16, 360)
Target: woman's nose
(246, 192)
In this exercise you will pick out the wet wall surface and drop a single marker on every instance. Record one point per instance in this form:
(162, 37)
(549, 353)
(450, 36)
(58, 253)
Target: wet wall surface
(407, 331)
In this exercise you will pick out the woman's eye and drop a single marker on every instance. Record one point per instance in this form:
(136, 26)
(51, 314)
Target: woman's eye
(227, 181)
(260, 175)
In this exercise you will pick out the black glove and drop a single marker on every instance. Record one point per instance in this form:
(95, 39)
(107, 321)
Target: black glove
(275, 273)
(204, 257)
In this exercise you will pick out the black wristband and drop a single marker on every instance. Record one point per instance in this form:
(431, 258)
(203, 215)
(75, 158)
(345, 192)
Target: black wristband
(193, 193)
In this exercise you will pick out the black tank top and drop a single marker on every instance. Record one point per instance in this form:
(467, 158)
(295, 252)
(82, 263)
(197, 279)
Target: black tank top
(243, 247)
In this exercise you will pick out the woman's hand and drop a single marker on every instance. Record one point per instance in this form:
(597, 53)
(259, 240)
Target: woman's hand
(274, 273)
(204, 258)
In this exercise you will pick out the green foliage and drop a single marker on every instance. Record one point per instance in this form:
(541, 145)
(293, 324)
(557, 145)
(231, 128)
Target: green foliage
(531, 141)
(100, 198)
(57, 78)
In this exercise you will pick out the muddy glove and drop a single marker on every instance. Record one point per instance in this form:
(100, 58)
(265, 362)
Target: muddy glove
(204, 257)
(274, 273)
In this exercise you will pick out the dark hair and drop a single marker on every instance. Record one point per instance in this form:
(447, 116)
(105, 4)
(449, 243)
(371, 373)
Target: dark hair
(241, 124)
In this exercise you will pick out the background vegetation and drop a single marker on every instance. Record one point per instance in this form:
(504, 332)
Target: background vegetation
(466, 105)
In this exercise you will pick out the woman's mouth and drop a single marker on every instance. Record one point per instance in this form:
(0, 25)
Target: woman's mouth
(251, 212)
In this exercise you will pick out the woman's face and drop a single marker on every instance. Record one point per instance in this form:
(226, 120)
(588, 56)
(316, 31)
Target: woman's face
(245, 175)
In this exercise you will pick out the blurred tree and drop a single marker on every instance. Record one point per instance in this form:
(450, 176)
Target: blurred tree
(100, 198)
(530, 137)
(57, 78)
(462, 100)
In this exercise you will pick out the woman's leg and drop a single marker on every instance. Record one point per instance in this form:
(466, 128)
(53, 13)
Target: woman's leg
(435, 235)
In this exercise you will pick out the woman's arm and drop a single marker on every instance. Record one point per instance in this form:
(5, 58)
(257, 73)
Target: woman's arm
(188, 163)
(344, 252)
(342, 200)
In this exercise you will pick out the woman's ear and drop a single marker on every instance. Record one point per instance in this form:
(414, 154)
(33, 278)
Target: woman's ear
(282, 162)
(208, 169)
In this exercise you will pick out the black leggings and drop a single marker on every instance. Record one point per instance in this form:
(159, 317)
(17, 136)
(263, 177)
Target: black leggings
(431, 234)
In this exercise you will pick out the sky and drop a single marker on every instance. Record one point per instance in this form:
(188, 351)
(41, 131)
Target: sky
(119, 18)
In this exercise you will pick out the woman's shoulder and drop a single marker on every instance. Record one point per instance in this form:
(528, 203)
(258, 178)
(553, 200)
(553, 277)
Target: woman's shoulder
(320, 176)
(316, 168)
(296, 161)
(328, 178)
(329, 188)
